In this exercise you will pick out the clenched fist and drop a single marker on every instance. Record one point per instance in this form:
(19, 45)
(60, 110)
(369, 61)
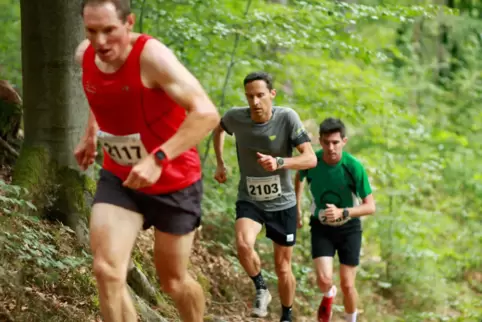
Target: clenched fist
(220, 174)
(144, 174)
(85, 152)
(267, 162)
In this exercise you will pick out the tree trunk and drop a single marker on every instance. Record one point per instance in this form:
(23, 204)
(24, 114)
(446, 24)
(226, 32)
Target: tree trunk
(55, 109)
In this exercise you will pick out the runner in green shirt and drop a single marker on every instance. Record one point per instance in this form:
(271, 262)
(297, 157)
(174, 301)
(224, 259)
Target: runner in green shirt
(337, 183)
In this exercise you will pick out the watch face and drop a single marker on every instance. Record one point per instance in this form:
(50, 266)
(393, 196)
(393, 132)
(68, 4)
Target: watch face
(280, 161)
(345, 213)
(160, 155)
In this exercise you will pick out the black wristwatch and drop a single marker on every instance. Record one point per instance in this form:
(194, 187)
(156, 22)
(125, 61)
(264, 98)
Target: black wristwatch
(346, 214)
(280, 162)
(161, 157)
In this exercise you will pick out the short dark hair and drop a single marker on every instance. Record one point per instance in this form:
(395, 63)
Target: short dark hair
(332, 125)
(267, 78)
(123, 6)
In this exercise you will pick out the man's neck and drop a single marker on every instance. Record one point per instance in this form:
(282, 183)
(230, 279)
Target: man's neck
(263, 119)
(331, 162)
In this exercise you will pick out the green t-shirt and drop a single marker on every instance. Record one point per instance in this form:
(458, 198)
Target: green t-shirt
(340, 184)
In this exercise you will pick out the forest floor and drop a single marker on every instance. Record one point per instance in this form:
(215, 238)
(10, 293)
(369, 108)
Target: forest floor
(45, 275)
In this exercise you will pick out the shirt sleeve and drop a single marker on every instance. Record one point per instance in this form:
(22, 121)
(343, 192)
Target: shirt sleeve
(228, 122)
(298, 134)
(363, 186)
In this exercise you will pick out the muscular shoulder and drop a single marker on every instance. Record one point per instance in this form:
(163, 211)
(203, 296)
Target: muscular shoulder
(158, 62)
(154, 50)
(156, 55)
(80, 51)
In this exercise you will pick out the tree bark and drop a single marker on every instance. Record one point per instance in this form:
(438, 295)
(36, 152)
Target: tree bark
(55, 109)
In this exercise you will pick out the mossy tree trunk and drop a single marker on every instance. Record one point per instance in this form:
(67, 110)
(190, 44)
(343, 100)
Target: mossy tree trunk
(55, 110)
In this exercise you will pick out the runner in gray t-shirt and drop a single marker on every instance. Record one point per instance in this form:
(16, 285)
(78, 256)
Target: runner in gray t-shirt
(265, 138)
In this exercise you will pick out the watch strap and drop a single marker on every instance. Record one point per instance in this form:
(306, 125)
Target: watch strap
(161, 157)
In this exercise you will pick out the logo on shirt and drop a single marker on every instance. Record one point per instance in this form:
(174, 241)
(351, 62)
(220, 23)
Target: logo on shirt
(300, 131)
(272, 137)
(90, 88)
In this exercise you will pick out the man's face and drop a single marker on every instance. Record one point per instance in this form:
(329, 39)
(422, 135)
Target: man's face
(260, 99)
(108, 34)
(332, 145)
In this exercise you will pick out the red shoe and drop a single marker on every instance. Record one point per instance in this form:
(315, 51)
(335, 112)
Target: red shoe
(324, 311)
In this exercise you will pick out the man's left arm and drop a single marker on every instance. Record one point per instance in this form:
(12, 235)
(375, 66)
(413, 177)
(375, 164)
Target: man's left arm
(167, 72)
(299, 138)
(367, 207)
(306, 159)
(364, 190)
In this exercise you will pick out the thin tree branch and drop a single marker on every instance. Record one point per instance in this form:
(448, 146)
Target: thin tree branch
(141, 17)
(225, 85)
(8, 147)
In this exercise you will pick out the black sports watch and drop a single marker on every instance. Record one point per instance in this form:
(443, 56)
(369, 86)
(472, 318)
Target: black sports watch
(280, 162)
(346, 214)
(161, 157)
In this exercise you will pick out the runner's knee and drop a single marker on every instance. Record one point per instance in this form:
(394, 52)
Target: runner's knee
(347, 286)
(283, 268)
(244, 245)
(324, 280)
(172, 284)
(282, 261)
(106, 272)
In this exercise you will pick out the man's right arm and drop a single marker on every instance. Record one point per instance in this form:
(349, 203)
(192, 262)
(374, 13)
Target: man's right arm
(92, 126)
(218, 142)
(299, 186)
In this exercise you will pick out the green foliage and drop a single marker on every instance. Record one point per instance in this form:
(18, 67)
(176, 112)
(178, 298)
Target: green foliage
(36, 248)
(10, 61)
(11, 198)
(405, 76)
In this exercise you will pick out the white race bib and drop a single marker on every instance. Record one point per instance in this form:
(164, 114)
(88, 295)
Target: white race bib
(324, 220)
(124, 150)
(264, 188)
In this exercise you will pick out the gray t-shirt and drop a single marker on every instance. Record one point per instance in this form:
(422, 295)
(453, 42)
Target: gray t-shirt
(269, 191)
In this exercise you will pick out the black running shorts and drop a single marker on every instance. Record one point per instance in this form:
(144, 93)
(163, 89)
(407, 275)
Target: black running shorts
(177, 213)
(346, 240)
(280, 225)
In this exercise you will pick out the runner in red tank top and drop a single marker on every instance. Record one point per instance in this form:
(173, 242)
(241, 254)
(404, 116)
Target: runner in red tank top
(148, 112)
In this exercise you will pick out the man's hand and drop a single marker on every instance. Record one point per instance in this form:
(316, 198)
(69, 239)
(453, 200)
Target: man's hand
(143, 174)
(267, 162)
(332, 213)
(85, 152)
(299, 218)
(220, 174)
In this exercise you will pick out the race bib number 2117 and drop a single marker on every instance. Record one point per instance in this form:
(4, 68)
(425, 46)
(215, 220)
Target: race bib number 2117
(125, 150)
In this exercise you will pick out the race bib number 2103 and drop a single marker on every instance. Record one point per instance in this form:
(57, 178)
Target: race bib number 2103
(264, 188)
(124, 150)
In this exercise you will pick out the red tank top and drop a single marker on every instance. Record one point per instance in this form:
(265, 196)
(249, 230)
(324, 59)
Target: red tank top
(122, 105)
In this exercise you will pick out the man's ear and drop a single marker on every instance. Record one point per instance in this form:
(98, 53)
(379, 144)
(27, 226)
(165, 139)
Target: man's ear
(131, 20)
